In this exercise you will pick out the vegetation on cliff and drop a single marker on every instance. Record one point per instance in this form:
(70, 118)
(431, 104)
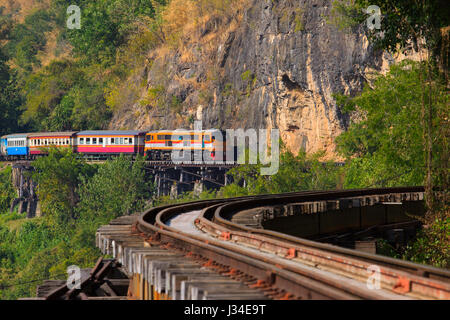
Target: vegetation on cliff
(53, 78)
(76, 198)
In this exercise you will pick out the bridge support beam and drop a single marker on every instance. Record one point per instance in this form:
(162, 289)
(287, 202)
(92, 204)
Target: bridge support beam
(26, 200)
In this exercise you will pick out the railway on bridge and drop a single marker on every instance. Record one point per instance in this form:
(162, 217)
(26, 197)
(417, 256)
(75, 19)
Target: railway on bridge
(219, 249)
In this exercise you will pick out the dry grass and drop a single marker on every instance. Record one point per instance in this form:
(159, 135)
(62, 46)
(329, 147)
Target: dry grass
(22, 8)
(189, 25)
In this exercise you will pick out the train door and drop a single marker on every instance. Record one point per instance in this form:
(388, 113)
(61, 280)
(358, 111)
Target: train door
(3, 146)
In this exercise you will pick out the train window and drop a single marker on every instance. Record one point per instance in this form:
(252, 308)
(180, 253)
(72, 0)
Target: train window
(131, 140)
(94, 140)
(148, 138)
(100, 140)
(112, 140)
(81, 141)
(88, 140)
(121, 140)
(161, 137)
(125, 141)
(67, 141)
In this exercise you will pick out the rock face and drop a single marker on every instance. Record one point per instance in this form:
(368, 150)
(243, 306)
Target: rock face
(274, 64)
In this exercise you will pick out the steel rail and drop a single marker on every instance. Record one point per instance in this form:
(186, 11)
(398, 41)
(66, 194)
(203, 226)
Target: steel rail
(396, 275)
(152, 222)
(299, 280)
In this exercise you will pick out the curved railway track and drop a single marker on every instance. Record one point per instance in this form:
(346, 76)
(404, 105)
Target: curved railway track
(278, 265)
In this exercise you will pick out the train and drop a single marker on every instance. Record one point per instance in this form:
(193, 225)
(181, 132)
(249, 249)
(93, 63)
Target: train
(155, 145)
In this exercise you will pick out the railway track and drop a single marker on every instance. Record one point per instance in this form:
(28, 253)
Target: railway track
(179, 251)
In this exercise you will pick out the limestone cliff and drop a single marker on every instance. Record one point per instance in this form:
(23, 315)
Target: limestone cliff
(262, 64)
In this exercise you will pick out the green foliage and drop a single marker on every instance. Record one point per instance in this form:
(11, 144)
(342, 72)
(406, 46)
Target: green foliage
(249, 79)
(432, 246)
(28, 38)
(298, 20)
(11, 216)
(347, 14)
(58, 176)
(402, 22)
(6, 189)
(10, 99)
(118, 188)
(63, 97)
(295, 173)
(385, 148)
(76, 198)
(69, 94)
(106, 25)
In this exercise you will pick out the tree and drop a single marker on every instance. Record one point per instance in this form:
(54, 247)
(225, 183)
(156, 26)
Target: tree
(386, 147)
(425, 25)
(106, 26)
(10, 98)
(296, 173)
(58, 176)
(7, 192)
(118, 188)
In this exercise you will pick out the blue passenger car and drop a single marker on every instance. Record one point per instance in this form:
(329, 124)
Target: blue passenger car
(16, 145)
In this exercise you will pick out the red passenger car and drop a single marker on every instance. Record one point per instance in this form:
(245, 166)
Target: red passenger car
(39, 143)
(110, 142)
